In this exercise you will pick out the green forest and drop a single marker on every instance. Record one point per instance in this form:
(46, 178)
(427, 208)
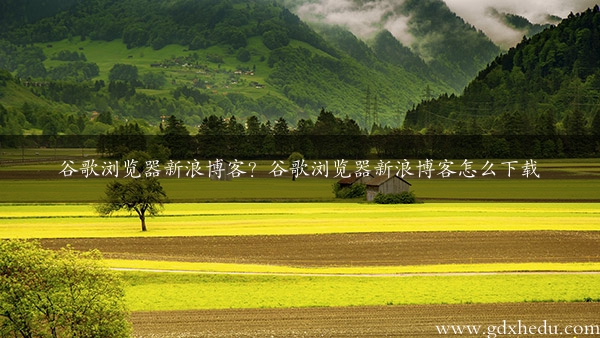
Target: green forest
(547, 85)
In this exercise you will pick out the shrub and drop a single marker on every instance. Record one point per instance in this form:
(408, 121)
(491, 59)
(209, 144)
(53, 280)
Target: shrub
(406, 197)
(274, 39)
(243, 55)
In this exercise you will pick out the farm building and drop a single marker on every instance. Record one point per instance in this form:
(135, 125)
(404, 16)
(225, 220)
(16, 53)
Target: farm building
(386, 185)
(349, 181)
(220, 171)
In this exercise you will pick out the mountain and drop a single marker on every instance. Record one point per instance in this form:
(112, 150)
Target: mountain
(509, 28)
(547, 85)
(454, 50)
(427, 29)
(197, 58)
(523, 25)
(497, 18)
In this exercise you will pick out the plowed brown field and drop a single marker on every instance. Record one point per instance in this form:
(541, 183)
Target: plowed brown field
(389, 321)
(366, 249)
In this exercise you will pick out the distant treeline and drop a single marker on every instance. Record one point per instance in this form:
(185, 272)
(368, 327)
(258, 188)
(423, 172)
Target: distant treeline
(322, 146)
(327, 138)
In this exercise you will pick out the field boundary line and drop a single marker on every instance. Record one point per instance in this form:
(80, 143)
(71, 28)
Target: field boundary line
(405, 274)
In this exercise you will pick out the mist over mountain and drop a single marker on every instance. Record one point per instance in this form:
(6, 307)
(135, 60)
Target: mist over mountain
(453, 49)
(366, 18)
(483, 14)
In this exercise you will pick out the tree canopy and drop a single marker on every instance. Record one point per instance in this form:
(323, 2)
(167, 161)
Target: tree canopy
(143, 195)
(64, 293)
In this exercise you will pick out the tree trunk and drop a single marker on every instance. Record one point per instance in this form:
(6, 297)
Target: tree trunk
(143, 219)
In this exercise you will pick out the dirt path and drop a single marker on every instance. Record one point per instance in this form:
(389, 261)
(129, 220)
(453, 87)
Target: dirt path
(388, 321)
(365, 249)
(361, 275)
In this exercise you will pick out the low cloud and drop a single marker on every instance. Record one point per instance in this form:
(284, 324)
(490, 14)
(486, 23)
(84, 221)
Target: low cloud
(481, 14)
(366, 18)
(362, 19)
(398, 26)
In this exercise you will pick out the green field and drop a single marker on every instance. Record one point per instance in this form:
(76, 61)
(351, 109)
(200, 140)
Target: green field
(561, 180)
(41, 154)
(215, 219)
(164, 291)
(80, 190)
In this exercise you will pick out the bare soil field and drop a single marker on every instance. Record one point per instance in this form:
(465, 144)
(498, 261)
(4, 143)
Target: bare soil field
(363, 249)
(388, 321)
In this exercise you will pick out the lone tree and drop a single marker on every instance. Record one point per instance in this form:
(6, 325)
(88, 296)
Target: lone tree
(145, 196)
(45, 293)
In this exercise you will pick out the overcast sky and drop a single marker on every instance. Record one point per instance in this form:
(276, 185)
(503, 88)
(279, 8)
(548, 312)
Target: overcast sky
(366, 17)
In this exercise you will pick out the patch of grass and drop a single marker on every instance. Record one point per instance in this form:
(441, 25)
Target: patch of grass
(42, 154)
(52, 191)
(201, 189)
(217, 219)
(77, 189)
(15, 95)
(105, 54)
(164, 291)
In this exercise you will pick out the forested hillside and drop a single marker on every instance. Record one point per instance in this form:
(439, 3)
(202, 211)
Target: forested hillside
(143, 59)
(18, 12)
(427, 30)
(455, 51)
(549, 84)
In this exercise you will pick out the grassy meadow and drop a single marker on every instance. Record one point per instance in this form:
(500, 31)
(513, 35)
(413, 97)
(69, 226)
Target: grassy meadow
(246, 189)
(160, 291)
(106, 54)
